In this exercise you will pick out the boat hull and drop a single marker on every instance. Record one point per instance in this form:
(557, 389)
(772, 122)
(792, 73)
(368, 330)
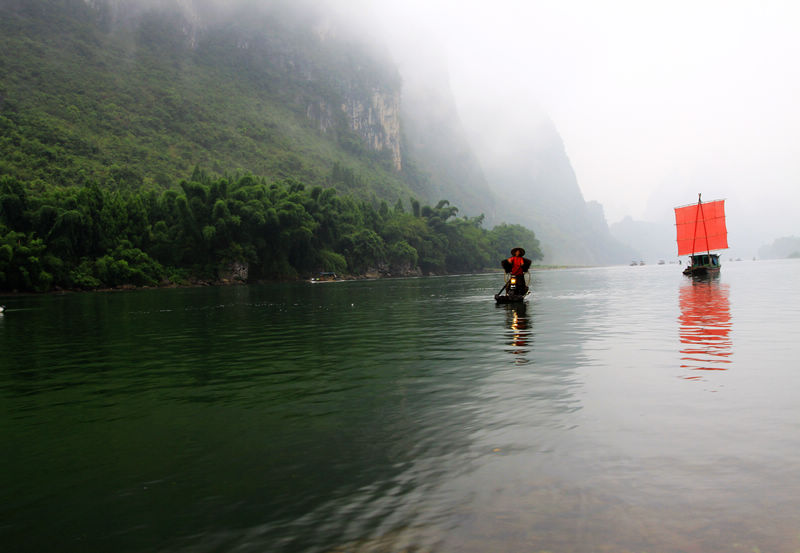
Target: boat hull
(509, 298)
(703, 265)
(701, 271)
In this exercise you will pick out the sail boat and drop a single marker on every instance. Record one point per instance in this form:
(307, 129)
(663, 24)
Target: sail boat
(701, 228)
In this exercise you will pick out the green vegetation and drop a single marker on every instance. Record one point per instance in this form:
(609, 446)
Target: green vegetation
(140, 102)
(86, 237)
(102, 118)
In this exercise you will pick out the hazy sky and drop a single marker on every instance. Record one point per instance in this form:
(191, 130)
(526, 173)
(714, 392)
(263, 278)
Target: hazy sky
(655, 100)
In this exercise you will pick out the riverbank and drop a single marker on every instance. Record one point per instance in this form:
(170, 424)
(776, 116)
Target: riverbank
(200, 283)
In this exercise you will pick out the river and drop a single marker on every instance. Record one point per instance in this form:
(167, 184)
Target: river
(625, 409)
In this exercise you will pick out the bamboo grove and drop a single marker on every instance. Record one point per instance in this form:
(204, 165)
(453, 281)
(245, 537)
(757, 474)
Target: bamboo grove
(89, 237)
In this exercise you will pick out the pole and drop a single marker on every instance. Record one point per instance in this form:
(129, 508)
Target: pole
(698, 210)
(708, 250)
(504, 286)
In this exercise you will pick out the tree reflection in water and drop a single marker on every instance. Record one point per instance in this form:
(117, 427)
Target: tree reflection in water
(705, 326)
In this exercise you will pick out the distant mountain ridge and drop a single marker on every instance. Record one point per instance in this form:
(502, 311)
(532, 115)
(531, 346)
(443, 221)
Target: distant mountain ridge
(530, 172)
(652, 241)
(781, 248)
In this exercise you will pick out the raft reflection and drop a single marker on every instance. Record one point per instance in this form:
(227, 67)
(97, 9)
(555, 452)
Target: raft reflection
(705, 326)
(518, 324)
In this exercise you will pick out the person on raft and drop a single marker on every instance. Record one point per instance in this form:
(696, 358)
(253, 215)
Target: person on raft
(517, 265)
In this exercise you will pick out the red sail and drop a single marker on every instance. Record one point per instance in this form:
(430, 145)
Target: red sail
(701, 227)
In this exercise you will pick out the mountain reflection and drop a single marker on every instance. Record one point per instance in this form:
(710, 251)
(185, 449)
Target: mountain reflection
(705, 326)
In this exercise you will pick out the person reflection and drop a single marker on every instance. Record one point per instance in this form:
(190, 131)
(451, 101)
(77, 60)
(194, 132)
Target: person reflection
(705, 326)
(518, 331)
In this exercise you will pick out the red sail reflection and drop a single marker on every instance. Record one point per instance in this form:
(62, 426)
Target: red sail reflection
(705, 326)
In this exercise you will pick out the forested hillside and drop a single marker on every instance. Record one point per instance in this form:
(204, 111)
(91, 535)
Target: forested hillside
(141, 99)
(227, 230)
(146, 147)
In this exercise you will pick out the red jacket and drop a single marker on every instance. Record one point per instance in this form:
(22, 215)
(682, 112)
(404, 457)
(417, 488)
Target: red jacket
(517, 265)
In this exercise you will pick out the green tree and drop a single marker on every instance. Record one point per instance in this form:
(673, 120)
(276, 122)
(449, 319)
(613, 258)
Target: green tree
(503, 237)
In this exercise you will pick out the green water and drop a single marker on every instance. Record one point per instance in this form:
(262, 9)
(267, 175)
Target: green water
(619, 409)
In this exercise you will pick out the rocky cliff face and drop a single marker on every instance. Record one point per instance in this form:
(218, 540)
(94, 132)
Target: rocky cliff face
(376, 119)
(368, 99)
(528, 168)
(316, 72)
(371, 95)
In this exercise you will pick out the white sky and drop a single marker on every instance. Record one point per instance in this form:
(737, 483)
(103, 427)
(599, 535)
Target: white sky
(655, 100)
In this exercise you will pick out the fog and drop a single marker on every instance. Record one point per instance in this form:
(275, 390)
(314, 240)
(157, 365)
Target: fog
(655, 101)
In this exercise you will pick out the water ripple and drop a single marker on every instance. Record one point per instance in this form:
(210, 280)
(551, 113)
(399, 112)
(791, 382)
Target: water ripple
(410, 414)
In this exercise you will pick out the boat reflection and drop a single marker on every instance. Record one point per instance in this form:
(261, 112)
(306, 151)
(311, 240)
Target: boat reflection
(705, 326)
(518, 325)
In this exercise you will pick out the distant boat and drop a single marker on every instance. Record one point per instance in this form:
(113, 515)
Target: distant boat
(700, 229)
(325, 277)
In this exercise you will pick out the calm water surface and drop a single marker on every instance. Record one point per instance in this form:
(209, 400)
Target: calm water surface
(624, 409)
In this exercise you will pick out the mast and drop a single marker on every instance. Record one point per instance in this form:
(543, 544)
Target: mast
(697, 211)
(705, 230)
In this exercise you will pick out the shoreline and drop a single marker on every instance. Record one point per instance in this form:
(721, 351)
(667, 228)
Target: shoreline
(235, 282)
